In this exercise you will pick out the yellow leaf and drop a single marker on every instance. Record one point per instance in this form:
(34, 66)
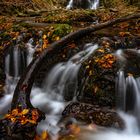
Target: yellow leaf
(101, 50)
(32, 121)
(48, 34)
(87, 67)
(90, 72)
(57, 38)
(24, 121)
(8, 116)
(14, 112)
(25, 111)
(44, 36)
(44, 135)
(13, 120)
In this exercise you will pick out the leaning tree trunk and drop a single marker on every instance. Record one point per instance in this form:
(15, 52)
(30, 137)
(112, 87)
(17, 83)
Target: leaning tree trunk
(21, 99)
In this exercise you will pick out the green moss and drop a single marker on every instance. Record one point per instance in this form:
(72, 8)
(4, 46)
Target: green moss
(62, 29)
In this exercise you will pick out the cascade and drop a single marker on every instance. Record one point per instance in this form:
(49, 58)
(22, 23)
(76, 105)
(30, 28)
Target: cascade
(62, 82)
(15, 63)
(128, 103)
(94, 4)
(128, 90)
(90, 4)
(51, 99)
(70, 4)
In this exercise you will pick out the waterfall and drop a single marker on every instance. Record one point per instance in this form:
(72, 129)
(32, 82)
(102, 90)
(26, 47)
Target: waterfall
(15, 63)
(61, 79)
(12, 71)
(121, 90)
(93, 4)
(30, 50)
(70, 4)
(128, 91)
(12, 64)
(64, 75)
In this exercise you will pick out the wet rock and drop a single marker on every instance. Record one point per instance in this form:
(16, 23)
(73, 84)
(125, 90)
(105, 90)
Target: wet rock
(81, 4)
(103, 116)
(98, 74)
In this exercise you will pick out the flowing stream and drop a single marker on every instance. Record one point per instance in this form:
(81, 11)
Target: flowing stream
(128, 91)
(62, 82)
(50, 99)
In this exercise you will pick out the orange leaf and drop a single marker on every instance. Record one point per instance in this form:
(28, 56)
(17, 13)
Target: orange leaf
(32, 121)
(15, 112)
(75, 129)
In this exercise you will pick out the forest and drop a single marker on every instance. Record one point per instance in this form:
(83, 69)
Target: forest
(69, 69)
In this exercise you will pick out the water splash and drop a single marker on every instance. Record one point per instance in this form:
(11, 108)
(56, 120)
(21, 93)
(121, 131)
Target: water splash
(51, 98)
(131, 132)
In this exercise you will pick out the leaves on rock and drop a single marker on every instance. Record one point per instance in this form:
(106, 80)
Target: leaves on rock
(23, 116)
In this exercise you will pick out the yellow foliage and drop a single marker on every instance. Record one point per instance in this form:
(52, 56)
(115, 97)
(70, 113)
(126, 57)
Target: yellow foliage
(75, 129)
(106, 61)
(57, 38)
(44, 135)
(44, 36)
(17, 115)
(25, 111)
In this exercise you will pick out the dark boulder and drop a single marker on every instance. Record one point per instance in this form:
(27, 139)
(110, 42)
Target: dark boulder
(102, 116)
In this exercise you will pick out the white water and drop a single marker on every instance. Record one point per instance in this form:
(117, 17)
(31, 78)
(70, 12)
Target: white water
(11, 80)
(30, 49)
(121, 90)
(51, 98)
(131, 132)
(94, 4)
(13, 77)
(70, 4)
(128, 90)
(126, 86)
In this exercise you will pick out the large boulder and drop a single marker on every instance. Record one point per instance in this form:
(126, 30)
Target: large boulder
(102, 116)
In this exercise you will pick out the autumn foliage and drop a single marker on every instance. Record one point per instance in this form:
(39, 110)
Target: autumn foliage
(23, 116)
